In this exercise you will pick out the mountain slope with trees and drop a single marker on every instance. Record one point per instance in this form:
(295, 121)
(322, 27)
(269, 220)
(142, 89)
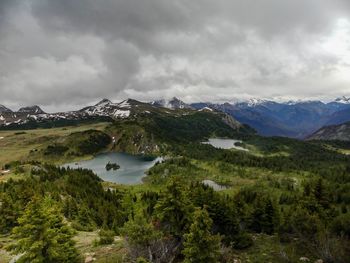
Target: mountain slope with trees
(339, 132)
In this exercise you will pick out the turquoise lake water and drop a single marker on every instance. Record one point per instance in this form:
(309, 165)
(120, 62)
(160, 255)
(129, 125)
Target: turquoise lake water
(132, 167)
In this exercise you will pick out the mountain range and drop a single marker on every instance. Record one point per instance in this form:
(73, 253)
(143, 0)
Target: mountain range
(290, 119)
(296, 119)
(127, 109)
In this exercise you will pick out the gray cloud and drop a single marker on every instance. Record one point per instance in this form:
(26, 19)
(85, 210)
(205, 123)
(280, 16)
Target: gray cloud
(63, 54)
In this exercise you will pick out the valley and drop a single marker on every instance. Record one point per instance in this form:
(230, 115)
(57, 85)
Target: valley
(256, 192)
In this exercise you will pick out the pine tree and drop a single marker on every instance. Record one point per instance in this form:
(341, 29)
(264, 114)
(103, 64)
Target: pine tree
(320, 194)
(200, 246)
(174, 209)
(264, 216)
(83, 221)
(42, 236)
(269, 218)
(141, 236)
(70, 208)
(257, 216)
(8, 212)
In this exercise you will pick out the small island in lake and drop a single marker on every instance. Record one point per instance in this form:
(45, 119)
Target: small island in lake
(110, 166)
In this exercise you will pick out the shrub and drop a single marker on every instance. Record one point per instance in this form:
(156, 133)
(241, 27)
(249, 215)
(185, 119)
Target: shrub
(106, 237)
(55, 149)
(341, 225)
(243, 240)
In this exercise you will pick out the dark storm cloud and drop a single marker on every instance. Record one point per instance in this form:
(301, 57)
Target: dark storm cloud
(134, 19)
(66, 53)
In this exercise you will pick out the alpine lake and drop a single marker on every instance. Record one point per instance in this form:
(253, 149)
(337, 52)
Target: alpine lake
(225, 144)
(132, 168)
(131, 171)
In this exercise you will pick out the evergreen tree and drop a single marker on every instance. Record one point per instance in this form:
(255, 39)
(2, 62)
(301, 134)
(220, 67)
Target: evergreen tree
(263, 216)
(141, 236)
(269, 219)
(42, 236)
(8, 212)
(70, 208)
(320, 193)
(200, 246)
(257, 216)
(83, 221)
(174, 209)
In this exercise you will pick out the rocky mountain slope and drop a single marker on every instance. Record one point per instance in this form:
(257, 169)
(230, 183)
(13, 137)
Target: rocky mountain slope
(334, 132)
(4, 109)
(31, 110)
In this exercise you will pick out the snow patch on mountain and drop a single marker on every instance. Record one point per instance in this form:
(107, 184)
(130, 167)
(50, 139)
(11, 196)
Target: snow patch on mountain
(125, 104)
(121, 114)
(206, 109)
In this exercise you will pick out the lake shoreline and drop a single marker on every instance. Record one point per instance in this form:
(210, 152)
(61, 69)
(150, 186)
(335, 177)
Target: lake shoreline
(225, 143)
(132, 170)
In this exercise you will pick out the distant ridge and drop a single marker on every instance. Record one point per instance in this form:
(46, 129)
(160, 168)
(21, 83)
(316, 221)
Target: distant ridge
(334, 132)
(4, 109)
(295, 119)
(32, 110)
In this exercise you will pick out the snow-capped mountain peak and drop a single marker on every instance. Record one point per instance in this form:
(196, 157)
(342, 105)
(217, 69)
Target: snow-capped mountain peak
(255, 102)
(103, 103)
(343, 100)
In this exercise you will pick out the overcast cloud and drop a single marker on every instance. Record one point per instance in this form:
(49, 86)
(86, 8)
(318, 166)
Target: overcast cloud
(63, 54)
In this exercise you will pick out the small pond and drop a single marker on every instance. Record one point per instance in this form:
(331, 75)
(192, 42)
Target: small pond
(132, 167)
(215, 186)
(225, 144)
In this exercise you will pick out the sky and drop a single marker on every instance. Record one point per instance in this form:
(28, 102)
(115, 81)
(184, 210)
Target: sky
(65, 54)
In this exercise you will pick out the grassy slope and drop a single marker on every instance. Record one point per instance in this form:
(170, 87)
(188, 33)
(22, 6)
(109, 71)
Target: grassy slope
(16, 145)
(86, 244)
